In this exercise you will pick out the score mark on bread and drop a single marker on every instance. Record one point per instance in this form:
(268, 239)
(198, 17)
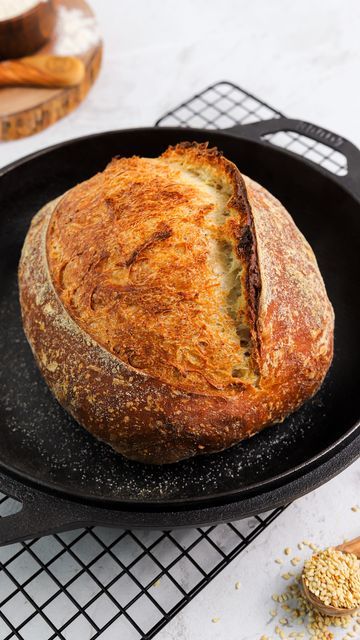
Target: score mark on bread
(188, 283)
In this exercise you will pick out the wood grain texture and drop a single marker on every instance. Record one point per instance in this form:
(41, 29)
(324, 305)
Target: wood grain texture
(28, 110)
(42, 71)
(24, 34)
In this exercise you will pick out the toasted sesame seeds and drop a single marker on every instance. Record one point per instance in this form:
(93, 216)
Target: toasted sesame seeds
(299, 612)
(287, 575)
(334, 577)
(295, 561)
(287, 551)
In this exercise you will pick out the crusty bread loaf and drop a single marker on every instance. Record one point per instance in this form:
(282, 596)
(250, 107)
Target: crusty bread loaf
(173, 306)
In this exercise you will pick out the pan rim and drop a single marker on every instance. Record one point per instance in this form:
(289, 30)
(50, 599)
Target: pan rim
(229, 133)
(257, 488)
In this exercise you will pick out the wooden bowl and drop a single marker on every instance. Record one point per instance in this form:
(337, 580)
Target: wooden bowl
(26, 33)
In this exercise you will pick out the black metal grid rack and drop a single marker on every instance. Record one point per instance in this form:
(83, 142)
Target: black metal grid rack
(105, 583)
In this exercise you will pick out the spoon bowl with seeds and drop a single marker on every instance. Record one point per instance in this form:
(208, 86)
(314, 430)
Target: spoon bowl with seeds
(331, 580)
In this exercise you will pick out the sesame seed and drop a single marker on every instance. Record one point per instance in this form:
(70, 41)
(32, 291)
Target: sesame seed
(215, 620)
(287, 551)
(334, 577)
(237, 585)
(295, 561)
(299, 611)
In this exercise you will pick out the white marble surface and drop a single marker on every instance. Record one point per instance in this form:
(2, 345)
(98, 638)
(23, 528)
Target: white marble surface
(302, 57)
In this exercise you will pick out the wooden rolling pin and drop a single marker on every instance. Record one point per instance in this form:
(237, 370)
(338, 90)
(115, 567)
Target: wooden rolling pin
(42, 71)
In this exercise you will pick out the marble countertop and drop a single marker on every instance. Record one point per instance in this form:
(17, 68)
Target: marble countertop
(302, 58)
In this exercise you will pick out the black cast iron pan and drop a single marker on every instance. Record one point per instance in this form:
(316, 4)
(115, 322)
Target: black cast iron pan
(65, 478)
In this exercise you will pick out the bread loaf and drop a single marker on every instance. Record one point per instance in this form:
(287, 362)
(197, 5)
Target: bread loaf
(173, 306)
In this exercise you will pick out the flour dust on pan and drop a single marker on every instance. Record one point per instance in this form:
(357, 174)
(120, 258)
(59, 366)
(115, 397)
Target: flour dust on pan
(41, 440)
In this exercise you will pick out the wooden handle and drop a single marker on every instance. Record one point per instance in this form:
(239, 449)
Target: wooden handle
(42, 71)
(353, 546)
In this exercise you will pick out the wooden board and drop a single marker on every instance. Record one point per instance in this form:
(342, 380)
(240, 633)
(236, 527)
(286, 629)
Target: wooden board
(27, 110)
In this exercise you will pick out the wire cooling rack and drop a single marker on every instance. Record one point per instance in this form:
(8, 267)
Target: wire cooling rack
(105, 583)
(224, 104)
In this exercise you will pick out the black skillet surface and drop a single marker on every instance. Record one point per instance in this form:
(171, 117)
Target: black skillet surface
(65, 477)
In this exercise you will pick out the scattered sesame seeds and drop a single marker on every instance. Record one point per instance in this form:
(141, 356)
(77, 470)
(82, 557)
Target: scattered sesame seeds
(287, 551)
(237, 585)
(300, 614)
(295, 561)
(278, 561)
(334, 577)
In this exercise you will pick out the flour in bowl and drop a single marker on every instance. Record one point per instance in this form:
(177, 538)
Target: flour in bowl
(12, 8)
(76, 32)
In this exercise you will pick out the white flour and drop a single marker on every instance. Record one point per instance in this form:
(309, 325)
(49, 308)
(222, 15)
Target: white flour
(75, 32)
(12, 8)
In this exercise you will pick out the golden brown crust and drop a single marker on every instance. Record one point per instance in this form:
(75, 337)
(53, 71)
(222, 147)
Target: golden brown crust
(129, 255)
(125, 303)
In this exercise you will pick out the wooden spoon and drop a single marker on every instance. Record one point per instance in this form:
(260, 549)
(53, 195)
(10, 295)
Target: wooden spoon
(328, 610)
(42, 71)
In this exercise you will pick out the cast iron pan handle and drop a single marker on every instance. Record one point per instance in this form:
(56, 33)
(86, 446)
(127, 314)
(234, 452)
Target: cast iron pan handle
(256, 130)
(40, 513)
